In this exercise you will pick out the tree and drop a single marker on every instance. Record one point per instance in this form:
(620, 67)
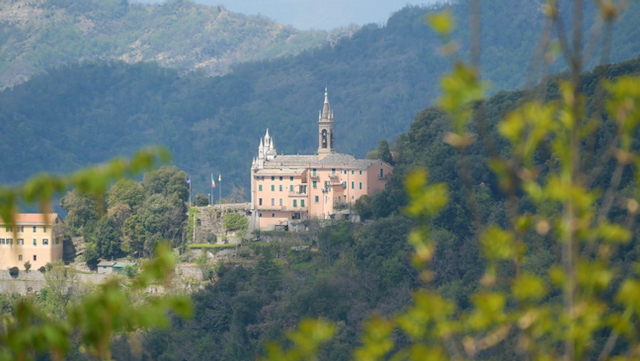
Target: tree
(167, 180)
(582, 307)
(235, 221)
(61, 282)
(80, 208)
(126, 191)
(201, 200)
(27, 266)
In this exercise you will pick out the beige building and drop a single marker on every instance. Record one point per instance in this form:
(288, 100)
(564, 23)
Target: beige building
(290, 187)
(38, 238)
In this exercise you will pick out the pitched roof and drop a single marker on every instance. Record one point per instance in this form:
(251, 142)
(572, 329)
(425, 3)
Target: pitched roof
(33, 218)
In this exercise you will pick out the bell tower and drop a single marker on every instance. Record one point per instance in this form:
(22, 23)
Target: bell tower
(325, 129)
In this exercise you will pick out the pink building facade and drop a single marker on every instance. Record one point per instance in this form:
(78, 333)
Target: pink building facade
(297, 187)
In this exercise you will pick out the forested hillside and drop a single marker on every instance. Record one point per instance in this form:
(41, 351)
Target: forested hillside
(364, 269)
(38, 35)
(378, 79)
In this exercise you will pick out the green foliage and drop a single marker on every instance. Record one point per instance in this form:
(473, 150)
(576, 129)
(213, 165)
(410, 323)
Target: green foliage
(201, 200)
(235, 221)
(27, 266)
(192, 221)
(14, 271)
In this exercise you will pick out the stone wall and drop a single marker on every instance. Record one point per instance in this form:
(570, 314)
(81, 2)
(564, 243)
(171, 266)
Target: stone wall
(212, 221)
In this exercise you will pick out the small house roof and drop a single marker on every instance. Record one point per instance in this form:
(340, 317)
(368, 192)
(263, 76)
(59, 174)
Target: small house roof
(34, 218)
(106, 264)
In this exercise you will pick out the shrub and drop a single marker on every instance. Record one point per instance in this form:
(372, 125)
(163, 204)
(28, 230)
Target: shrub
(42, 269)
(14, 271)
(235, 221)
(27, 266)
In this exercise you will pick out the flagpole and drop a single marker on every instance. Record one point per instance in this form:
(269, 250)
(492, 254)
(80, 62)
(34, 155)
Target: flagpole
(220, 187)
(211, 189)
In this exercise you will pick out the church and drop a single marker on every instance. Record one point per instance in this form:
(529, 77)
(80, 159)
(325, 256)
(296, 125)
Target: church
(297, 187)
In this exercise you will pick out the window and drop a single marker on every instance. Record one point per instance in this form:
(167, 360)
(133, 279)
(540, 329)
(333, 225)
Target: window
(351, 172)
(280, 202)
(1, 240)
(273, 187)
(273, 201)
(360, 172)
(273, 215)
(260, 187)
(20, 241)
(280, 188)
(9, 241)
(345, 171)
(317, 199)
(259, 201)
(314, 172)
(315, 184)
(8, 229)
(333, 171)
(44, 229)
(273, 178)
(281, 179)
(35, 242)
(302, 203)
(45, 242)
(259, 214)
(344, 184)
(381, 172)
(35, 258)
(353, 185)
(295, 203)
(360, 185)
(57, 240)
(291, 179)
(326, 184)
(291, 188)
(19, 257)
(21, 228)
(34, 229)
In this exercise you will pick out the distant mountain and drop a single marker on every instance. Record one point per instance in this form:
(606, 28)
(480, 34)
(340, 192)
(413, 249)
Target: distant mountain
(378, 79)
(36, 35)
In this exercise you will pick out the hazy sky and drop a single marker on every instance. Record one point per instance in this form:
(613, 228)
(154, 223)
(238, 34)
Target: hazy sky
(315, 14)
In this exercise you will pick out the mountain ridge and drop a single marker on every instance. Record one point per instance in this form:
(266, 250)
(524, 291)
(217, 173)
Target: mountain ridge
(36, 35)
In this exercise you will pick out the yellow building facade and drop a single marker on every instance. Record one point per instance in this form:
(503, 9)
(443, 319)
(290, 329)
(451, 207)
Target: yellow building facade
(293, 187)
(37, 238)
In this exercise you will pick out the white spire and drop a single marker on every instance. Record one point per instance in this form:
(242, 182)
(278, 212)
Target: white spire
(326, 98)
(266, 136)
(271, 144)
(319, 114)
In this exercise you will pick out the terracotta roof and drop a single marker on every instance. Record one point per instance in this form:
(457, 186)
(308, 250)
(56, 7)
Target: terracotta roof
(30, 218)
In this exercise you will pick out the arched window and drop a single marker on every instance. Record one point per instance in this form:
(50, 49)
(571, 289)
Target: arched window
(331, 139)
(324, 138)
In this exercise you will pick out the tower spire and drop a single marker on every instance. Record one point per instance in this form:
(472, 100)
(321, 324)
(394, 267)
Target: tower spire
(325, 128)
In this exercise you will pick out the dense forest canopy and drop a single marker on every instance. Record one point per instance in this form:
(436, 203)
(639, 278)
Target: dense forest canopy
(378, 79)
(38, 35)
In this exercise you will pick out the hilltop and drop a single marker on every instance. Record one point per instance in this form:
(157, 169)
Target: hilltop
(36, 35)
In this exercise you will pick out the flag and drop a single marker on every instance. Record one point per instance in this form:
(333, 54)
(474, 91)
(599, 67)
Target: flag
(213, 182)
(188, 180)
